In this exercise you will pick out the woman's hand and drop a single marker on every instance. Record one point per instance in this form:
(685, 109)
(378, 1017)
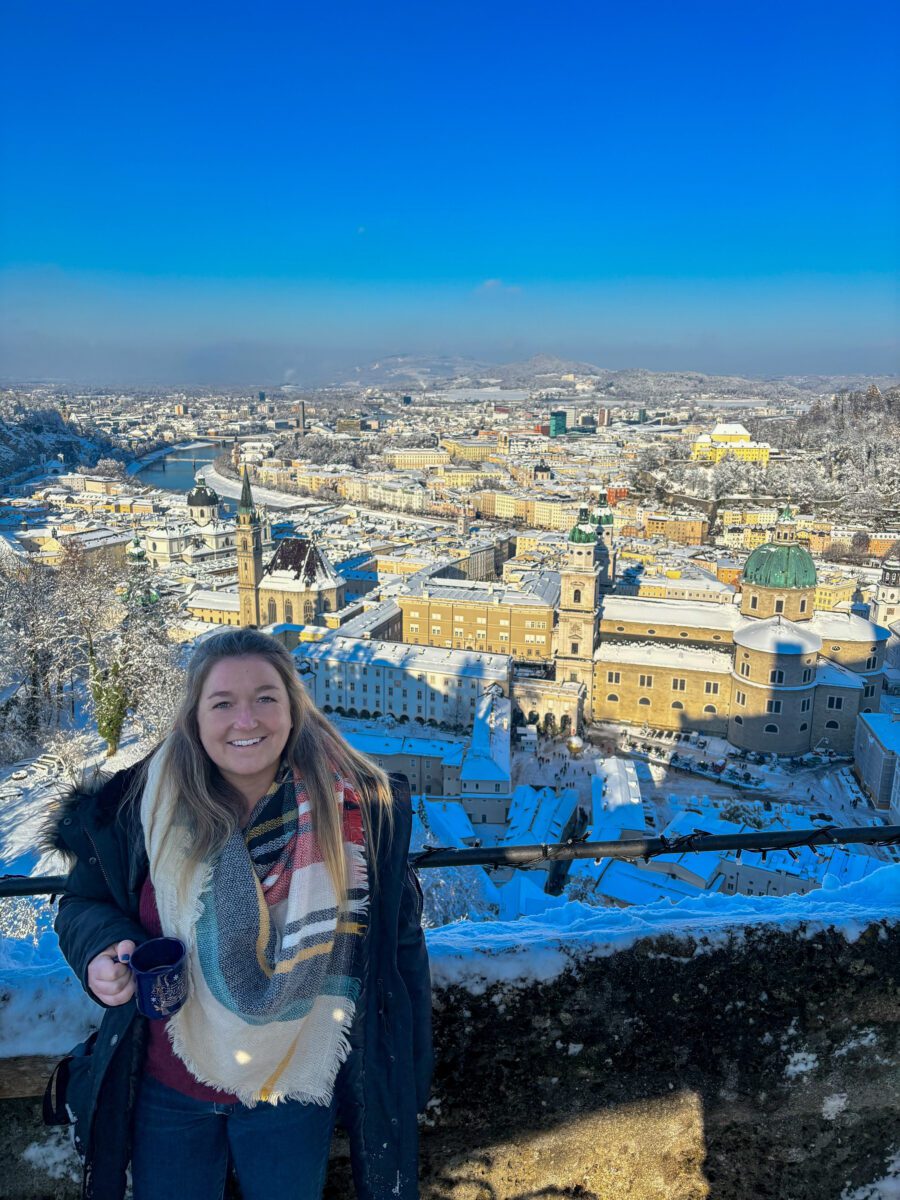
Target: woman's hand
(109, 976)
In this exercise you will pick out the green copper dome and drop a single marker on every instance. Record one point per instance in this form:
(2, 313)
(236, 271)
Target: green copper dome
(784, 565)
(583, 533)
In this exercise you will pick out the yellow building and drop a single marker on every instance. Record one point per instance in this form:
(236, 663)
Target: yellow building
(469, 615)
(782, 678)
(729, 440)
(833, 591)
(472, 449)
(668, 687)
(683, 529)
(416, 459)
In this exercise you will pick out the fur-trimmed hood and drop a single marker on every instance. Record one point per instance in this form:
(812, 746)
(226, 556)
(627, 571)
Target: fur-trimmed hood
(91, 804)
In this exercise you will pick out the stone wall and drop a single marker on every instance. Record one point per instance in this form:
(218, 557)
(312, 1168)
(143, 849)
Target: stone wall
(755, 1063)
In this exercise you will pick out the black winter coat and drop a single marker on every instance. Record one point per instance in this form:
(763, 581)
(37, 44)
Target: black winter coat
(381, 1086)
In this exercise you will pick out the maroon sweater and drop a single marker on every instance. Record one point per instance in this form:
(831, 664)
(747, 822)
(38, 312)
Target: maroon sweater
(162, 1063)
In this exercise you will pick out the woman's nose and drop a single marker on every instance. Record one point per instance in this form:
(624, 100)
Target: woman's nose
(244, 718)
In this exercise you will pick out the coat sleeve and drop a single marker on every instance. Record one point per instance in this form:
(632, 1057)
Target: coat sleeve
(89, 919)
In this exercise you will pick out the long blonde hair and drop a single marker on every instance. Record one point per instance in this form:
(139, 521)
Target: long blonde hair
(210, 807)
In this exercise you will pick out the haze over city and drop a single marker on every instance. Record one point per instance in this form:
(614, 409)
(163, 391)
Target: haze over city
(220, 198)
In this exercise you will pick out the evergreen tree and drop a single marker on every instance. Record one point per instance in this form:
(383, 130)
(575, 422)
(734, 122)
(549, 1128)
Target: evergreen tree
(110, 702)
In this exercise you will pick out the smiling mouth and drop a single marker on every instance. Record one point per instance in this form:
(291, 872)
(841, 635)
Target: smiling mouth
(244, 742)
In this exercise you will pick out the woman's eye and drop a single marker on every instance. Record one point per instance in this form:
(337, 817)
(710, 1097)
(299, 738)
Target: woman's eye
(221, 704)
(267, 699)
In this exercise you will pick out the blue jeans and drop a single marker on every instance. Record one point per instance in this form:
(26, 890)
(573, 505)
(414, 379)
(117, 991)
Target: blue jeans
(182, 1147)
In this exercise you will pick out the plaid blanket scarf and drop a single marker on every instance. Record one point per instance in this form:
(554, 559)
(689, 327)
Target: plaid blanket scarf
(272, 959)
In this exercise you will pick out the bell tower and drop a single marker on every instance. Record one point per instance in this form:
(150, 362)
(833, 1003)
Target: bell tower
(886, 610)
(578, 630)
(249, 556)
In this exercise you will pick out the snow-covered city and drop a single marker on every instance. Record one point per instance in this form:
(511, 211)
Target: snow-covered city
(450, 602)
(599, 666)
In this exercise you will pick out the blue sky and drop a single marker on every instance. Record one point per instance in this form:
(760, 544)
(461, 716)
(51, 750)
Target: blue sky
(224, 192)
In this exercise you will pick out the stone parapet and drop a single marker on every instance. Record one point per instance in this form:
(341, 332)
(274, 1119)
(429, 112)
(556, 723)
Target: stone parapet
(721, 1049)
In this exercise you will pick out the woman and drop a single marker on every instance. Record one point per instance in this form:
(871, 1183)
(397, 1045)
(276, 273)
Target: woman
(278, 855)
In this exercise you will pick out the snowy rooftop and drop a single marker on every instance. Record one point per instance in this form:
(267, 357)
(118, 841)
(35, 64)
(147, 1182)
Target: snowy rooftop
(221, 601)
(372, 619)
(449, 822)
(693, 614)
(488, 757)
(730, 429)
(832, 674)
(776, 635)
(655, 654)
(616, 807)
(372, 738)
(847, 627)
(538, 588)
(471, 663)
(627, 883)
(885, 727)
(538, 815)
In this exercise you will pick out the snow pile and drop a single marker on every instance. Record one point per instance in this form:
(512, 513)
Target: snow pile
(540, 947)
(55, 1156)
(887, 1188)
(43, 1008)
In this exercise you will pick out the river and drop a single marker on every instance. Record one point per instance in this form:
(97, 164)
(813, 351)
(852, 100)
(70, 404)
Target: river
(175, 472)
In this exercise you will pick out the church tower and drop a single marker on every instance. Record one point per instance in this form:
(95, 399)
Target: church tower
(886, 610)
(578, 632)
(249, 556)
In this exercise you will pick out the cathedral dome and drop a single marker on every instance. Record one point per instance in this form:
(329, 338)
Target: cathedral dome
(780, 565)
(202, 496)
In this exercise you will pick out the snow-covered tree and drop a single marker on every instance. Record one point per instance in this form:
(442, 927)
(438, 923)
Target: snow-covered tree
(110, 702)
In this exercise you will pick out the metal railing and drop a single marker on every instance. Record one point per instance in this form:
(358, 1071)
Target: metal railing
(525, 857)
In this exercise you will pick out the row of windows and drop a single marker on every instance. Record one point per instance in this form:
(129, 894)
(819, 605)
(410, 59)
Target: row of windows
(779, 604)
(612, 698)
(716, 637)
(774, 728)
(710, 686)
(309, 612)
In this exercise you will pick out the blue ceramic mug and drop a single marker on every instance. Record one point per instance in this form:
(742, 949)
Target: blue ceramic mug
(160, 975)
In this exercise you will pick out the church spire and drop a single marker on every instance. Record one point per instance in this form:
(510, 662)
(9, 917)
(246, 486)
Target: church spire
(246, 501)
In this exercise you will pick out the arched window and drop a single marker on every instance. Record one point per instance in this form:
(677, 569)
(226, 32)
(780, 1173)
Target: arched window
(288, 612)
(710, 708)
(612, 698)
(832, 725)
(677, 704)
(273, 615)
(309, 611)
(576, 596)
(643, 700)
(771, 729)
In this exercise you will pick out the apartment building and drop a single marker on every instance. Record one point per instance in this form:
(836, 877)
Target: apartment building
(469, 615)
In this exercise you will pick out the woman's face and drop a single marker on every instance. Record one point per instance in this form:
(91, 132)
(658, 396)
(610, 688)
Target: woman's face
(244, 720)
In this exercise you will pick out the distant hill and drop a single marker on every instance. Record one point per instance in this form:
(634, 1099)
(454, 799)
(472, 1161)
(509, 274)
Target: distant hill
(28, 439)
(624, 387)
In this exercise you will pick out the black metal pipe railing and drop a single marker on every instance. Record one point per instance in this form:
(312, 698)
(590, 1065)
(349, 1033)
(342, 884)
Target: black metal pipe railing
(523, 857)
